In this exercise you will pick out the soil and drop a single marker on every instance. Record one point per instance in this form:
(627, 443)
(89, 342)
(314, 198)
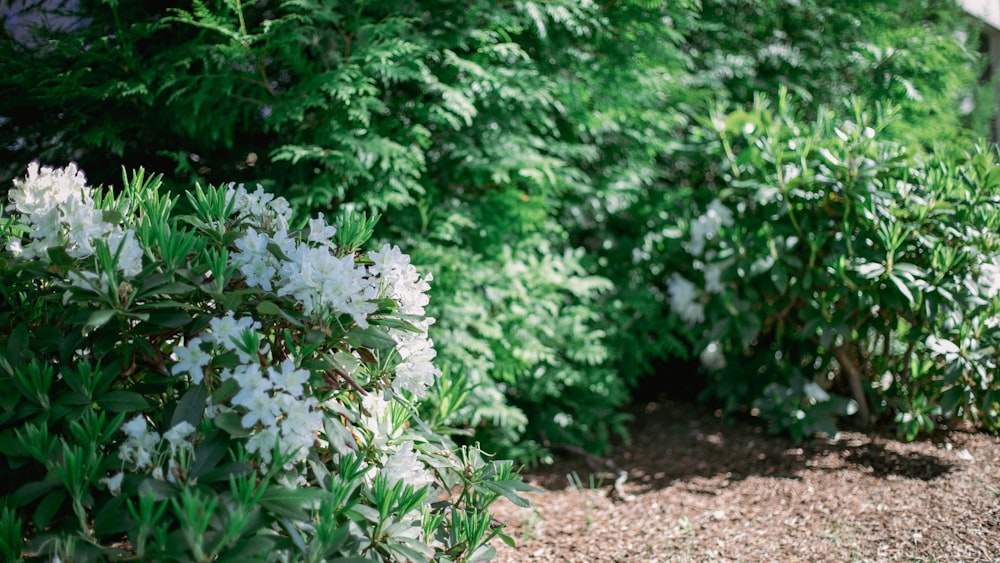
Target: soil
(693, 488)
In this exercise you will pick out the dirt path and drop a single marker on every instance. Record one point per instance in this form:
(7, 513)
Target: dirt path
(699, 490)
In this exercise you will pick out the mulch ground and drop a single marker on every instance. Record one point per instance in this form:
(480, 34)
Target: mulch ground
(697, 489)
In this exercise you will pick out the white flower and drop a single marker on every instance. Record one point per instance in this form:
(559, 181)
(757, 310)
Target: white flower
(136, 427)
(326, 284)
(114, 483)
(130, 253)
(263, 443)
(44, 188)
(685, 299)
(713, 278)
(405, 466)
(288, 378)
(707, 227)
(320, 232)
(140, 444)
(228, 331)
(417, 371)
(388, 260)
(712, 357)
(191, 359)
(177, 436)
(83, 225)
(260, 207)
(377, 419)
(59, 209)
(254, 260)
(399, 280)
(989, 277)
(255, 396)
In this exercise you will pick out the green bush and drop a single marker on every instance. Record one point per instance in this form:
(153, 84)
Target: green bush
(229, 384)
(473, 124)
(823, 258)
(528, 154)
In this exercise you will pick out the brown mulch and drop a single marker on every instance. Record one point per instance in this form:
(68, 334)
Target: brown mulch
(698, 489)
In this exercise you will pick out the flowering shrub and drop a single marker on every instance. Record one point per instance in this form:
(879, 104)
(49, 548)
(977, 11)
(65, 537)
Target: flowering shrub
(226, 384)
(823, 259)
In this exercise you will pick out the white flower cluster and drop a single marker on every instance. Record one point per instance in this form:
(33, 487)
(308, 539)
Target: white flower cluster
(143, 451)
(268, 389)
(272, 400)
(277, 408)
(404, 465)
(309, 271)
(58, 207)
(685, 299)
(224, 334)
(989, 277)
(707, 227)
(383, 430)
(399, 280)
(326, 284)
(140, 444)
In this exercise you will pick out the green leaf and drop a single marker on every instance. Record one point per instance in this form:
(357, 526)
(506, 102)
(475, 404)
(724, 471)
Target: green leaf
(509, 488)
(48, 508)
(123, 401)
(248, 549)
(292, 503)
(224, 471)
(98, 319)
(209, 453)
(31, 491)
(370, 337)
(269, 308)
(901, 284)
(231, 423)
(159, 490)
(59, 258)
(172, 288)
(191, 407)
(992, 180)
(168, 319)
(17, 344)
(112, 518)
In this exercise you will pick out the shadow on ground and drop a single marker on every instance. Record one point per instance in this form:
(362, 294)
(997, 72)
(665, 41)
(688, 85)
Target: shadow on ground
(677, 442)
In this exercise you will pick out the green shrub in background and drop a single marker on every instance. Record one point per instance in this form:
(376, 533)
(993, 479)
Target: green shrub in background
(920, 54)
(221, 385)
(925, 67)
(825, 261)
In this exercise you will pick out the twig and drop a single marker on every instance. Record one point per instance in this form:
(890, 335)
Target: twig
(854, 380)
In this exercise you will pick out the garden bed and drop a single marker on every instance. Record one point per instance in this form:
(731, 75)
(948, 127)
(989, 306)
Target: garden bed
(700, 490)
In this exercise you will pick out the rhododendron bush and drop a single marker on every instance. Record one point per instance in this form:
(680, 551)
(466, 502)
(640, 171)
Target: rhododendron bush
(827, 271)
(221, 382)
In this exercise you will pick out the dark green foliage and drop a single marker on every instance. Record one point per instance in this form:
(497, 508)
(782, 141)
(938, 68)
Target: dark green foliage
(458, 121)
(920, 54)
(537, 157)
(849, 266)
